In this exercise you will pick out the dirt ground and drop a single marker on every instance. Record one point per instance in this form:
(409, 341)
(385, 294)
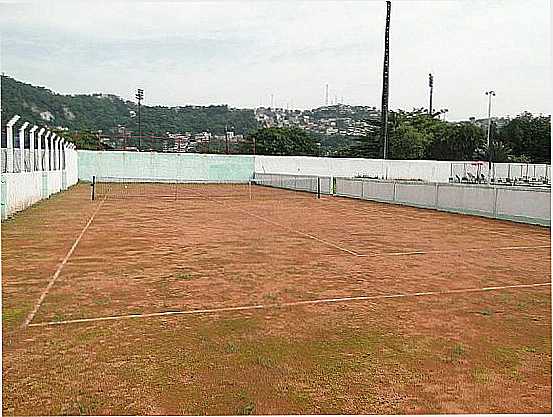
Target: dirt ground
(456, 316)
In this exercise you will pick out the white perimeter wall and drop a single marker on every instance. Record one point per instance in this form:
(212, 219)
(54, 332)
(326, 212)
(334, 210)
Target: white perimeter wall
(20, 190)
(431, 171)
(514, 203)
(527, 205)
(241, 167)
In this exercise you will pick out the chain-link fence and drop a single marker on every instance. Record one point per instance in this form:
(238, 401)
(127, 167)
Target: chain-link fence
(4, 160)
(27, 160)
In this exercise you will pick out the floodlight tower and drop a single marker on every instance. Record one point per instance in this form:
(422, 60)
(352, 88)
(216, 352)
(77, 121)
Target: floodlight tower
(431, 85)
(489, 94)
(139, 97)
(385, 80)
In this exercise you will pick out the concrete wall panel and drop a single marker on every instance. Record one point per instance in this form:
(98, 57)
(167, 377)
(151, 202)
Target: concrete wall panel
(469, 197)
(527, 205)
(417, 194)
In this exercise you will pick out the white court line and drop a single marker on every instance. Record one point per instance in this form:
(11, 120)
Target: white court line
(290, 304)
(454, 251)
(386, 253)
(301, 233)
(32, 314)
(287, 228)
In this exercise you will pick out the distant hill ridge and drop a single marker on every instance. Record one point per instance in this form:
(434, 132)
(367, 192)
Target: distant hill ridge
(105, 112)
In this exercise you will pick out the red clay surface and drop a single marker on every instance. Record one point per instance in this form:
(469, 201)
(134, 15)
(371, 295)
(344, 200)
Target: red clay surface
(212, 248)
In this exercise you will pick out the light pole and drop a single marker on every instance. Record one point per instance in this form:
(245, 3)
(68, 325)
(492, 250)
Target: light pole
(385, 82)
(139, 97)
(431, 85)
(489, 94)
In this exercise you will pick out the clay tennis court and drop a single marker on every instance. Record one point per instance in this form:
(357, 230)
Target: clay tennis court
(231, 299)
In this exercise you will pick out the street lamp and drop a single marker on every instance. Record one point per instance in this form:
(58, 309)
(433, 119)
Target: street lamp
(431, 85)
(139, 97)
(489, 94)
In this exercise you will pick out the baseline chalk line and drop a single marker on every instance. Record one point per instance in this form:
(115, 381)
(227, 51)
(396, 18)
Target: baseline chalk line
(32, 314)
(289, 304)
(430, 252)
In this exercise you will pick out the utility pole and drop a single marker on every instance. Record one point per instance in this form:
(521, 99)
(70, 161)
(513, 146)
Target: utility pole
(431, 85)
(139, 97)
(326, 95)
(489, 94)
(385, 80)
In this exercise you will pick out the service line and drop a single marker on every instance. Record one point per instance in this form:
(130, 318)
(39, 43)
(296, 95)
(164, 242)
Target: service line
(431, 252)
(289, 304)
(32, 314)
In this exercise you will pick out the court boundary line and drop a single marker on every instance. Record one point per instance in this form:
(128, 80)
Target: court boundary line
(431, 252)
(54, 278)
(283, 227)
(365, 255)
(326, 242)
(289, 304)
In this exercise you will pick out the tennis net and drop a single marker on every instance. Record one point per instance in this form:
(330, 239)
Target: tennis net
(175, 189)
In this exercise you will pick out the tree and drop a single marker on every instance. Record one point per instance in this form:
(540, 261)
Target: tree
(528, 137)
(85, 140)
(456, 142)
(280, 141)
(411, 133)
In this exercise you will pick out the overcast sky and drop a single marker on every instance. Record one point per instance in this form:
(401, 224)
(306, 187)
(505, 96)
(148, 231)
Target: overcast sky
(239, 53)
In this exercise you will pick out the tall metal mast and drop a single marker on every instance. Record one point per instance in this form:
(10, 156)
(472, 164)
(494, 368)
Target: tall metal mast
(385, 80)
(431, 85)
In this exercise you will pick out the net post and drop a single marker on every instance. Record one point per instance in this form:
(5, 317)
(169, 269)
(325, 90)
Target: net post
(93, 185)
(250, 188)
(318, 187)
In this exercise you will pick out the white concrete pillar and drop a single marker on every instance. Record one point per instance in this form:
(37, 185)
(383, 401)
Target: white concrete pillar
(47, 151)
(22, 146)
(32, 147)
(52, 152)
(55, 153)
(9, 143)
(40, 167)
(61, 154)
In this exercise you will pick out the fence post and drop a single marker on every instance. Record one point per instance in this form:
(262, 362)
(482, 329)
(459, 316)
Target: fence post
(9, 143)
(60, 140)
(52, 152)
(39, 149)
(93, 186)
(22, 146)
(318, 187)
(46, 158)
(495, 202)
(32, 148)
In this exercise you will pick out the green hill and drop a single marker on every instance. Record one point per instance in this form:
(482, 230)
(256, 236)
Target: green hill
(105, 112)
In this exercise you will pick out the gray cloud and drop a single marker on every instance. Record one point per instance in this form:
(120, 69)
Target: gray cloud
(241, 52)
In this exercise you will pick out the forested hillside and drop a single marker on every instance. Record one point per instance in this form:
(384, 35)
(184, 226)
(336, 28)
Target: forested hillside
(105, 112)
